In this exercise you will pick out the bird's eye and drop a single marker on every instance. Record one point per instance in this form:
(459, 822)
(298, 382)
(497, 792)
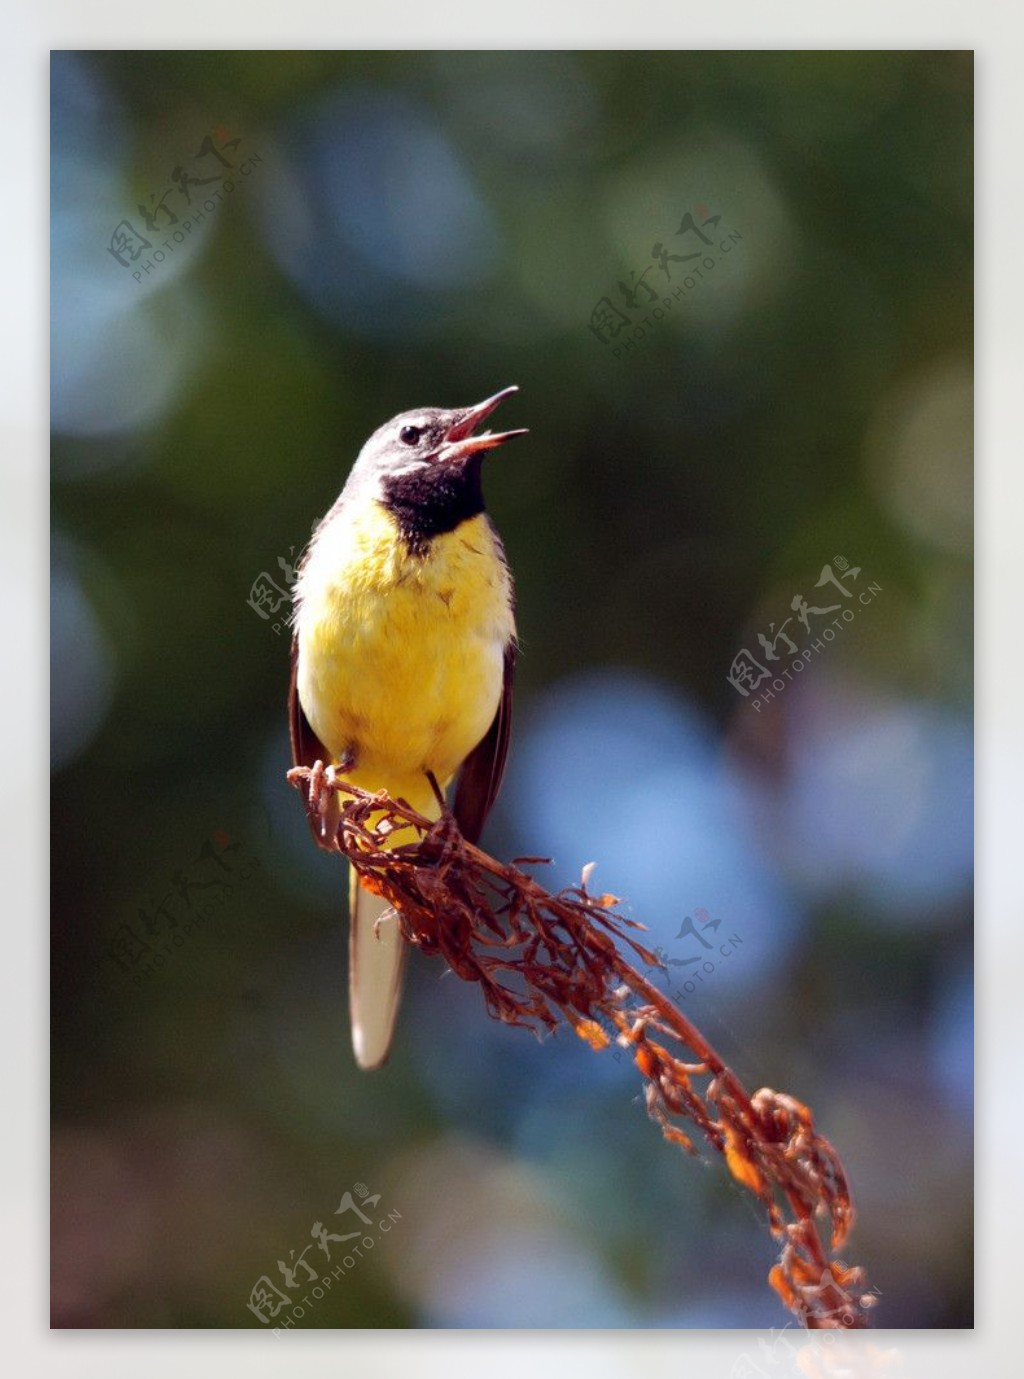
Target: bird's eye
(409, 435)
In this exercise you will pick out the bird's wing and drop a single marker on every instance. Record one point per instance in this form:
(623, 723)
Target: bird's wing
(480, 777)
(307, 749)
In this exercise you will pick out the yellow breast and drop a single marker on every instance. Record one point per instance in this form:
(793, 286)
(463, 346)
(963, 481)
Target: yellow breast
(401, 656)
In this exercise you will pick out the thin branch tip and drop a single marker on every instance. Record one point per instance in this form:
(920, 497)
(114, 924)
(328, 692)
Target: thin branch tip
(544, 958)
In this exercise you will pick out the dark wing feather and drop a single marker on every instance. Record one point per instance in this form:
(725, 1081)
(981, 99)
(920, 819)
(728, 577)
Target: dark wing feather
(307, 749)
(480, 777)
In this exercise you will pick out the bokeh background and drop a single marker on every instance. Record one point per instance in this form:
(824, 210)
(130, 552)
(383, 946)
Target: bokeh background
(424, 228)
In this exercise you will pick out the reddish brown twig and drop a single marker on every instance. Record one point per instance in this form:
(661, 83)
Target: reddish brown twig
(542, 957)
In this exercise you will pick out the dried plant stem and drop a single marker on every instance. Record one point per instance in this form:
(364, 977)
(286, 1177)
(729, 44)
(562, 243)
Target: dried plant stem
(541, 957)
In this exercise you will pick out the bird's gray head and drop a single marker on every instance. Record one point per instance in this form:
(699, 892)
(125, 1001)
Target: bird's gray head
(424, 467)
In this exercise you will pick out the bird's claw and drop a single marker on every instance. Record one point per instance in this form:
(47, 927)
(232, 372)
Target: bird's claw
(322, 801)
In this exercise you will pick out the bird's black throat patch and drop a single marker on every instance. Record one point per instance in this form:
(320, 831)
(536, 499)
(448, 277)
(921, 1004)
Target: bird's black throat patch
(434, 499)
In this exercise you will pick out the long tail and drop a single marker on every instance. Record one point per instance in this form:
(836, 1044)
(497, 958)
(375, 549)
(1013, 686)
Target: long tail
(376, 964)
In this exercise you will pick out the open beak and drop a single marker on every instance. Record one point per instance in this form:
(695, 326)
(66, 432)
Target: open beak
(460, 442)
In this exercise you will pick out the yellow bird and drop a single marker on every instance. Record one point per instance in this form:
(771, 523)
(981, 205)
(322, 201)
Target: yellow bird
(403, 656)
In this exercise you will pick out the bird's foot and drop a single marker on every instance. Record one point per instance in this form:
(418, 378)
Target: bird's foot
(323, 803)
(328, 805)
